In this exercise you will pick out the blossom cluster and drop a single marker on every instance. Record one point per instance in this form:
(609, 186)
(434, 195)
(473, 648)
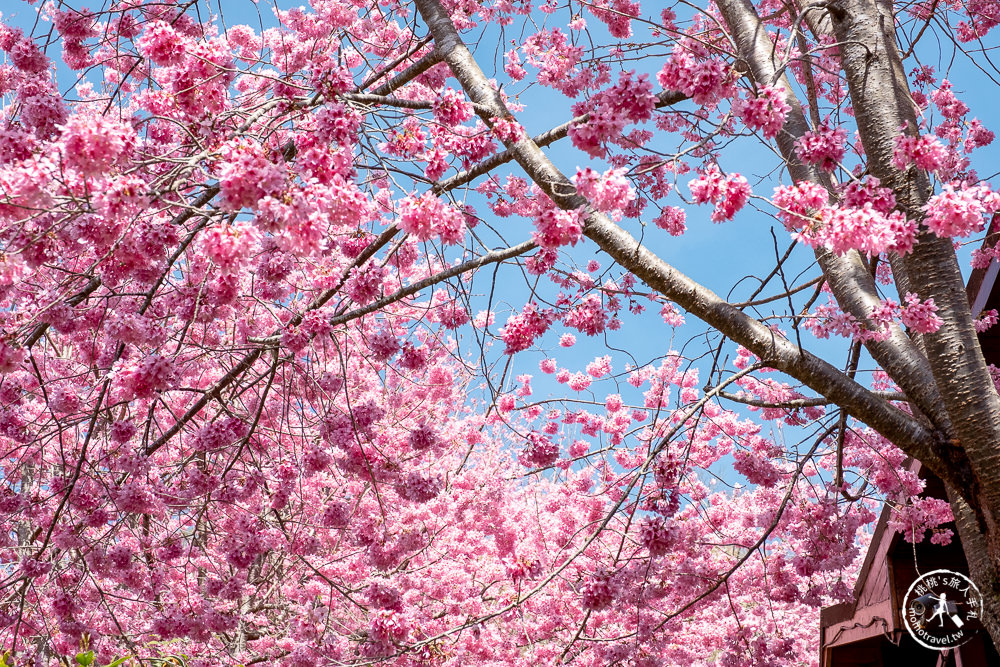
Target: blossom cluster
(765, 111)
(728, 193)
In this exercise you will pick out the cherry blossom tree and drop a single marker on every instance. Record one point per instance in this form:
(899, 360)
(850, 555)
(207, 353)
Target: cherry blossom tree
(275, 287)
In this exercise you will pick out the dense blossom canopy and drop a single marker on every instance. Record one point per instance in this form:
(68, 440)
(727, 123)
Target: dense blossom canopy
(311, 357)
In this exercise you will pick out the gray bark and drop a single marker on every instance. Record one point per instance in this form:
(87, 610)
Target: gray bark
(847, 275)
(882, 104)
(775, 350)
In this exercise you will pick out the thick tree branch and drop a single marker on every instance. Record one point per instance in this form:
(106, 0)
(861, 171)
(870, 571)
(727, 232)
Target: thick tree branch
(882, 105)
(772, 348)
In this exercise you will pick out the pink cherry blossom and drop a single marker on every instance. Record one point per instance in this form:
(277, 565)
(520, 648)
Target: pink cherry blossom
(522, 329)
(246, 175)
(925, 151)
(920, 315)
(427, 216)
(960, 213)
(609, 192)
(824, 146)
(273, 296)
(557, 228)
(765, 111)
(729, 193)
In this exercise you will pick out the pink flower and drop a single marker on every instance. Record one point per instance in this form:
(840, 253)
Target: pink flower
(986, 320)
(925, 151)
(671, 315)
(658, 535)
(451, 314)
(579, 382)
(122, 431)
(735, 195)
(600, 367)
(708, 186)
(407, 141)
(704, 81)
(162, 44)
(519, 569)
(554, 55)
(11, 357)
(452, 108)
(804, 209)
(672, 219)
(92, 144)
(951, 213)
(154, 373)
(427, 216)
(823, 146)
(919, 316)
(246, 176)
(616, 14)
(525, 389)
(557, 228)
(507, 130)
(976, 136)
(512, 65)
(590, 317)
(338, 124)
(949, 105)
(387, 626)
(364, 284)
(729, 193)
(506, 403)
(229, 245)
(919, 515)
(419, 487)
(599, 591)
(765, 112)
(609, 192)
(32, 568)
(539, 452)
(423, 437)
(383, 345)
(869, 191)
(522, 329)
(631, 100)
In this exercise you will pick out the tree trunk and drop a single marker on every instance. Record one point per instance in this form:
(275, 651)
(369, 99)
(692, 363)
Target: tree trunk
(882, 105)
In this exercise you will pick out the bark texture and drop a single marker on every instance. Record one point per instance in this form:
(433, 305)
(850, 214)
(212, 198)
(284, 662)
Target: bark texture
(774, 349)
(848, 275)
(882, 104)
